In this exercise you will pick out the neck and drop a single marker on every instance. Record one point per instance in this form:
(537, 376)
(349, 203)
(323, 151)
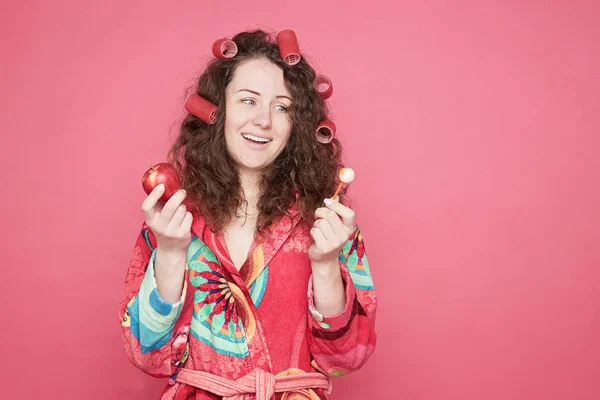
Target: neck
(250, 181)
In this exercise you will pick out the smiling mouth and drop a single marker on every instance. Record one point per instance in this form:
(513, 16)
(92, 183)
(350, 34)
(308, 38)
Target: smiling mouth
(255, 139)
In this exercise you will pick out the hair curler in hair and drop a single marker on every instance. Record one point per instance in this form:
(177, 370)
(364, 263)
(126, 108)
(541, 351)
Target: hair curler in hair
(288, 47)
(201, 108)
(325, 131)
(323, 85)
(224, 48)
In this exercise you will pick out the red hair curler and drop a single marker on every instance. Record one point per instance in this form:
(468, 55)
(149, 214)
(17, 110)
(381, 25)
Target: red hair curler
(325, 131)
(201, 108)
(224, 48)
(323, 86)
(288, 47)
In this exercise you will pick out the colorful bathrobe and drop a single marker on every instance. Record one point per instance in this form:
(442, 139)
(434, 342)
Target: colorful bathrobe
(259, 322)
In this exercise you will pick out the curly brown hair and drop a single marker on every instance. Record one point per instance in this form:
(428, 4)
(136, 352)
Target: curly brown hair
(304, 174)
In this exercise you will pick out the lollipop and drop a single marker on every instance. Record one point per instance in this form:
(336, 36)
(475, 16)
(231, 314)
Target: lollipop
(346, 176)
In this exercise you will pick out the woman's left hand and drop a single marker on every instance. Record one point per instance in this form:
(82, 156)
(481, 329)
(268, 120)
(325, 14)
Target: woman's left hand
(333, 226)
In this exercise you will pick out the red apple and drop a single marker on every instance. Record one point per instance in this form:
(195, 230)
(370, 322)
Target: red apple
(161, 173)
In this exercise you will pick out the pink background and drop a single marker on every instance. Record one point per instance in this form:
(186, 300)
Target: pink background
(473, 129)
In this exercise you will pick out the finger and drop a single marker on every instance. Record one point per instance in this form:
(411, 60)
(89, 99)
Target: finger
(325, 227)
(347, 214)
(186, 224)
(175, 222)
(148, 205)
(333, 219)
(318, 237)
(170, 207)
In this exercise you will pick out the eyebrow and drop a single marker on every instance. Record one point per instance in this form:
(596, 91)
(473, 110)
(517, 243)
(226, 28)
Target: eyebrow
(258, 94)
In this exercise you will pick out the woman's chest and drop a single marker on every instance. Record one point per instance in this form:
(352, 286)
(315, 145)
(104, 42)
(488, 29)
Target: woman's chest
(239, 238)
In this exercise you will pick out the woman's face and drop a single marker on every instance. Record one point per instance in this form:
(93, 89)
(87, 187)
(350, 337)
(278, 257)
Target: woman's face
(257, 124)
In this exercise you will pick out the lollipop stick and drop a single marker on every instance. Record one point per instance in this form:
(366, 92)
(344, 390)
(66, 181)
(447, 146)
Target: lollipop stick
(338, 190)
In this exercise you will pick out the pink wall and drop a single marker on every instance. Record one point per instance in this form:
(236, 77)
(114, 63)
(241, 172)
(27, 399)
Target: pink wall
(473, 129)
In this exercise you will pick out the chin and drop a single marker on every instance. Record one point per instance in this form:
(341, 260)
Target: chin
(252, 165)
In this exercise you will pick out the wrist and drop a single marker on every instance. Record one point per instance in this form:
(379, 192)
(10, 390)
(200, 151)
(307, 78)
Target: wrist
(170, 254)
(326, 268)
(169, 264)
(169, 273)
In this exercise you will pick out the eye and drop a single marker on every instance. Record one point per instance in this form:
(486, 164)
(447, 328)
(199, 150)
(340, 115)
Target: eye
(250, 102)
(281, 108)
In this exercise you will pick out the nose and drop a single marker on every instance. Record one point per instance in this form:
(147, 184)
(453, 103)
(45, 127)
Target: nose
(262, 117)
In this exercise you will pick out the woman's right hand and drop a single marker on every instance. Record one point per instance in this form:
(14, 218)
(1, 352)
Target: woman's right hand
(171, 223)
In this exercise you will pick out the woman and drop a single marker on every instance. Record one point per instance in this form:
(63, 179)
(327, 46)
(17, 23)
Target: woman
(261, 285)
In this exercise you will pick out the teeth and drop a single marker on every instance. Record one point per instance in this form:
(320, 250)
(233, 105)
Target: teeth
(256, 138)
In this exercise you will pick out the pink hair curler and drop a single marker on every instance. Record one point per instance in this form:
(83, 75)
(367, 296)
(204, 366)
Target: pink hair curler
(323, 85)
(224, 48)
(325, 131)
(288, 47)
(201, 108)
